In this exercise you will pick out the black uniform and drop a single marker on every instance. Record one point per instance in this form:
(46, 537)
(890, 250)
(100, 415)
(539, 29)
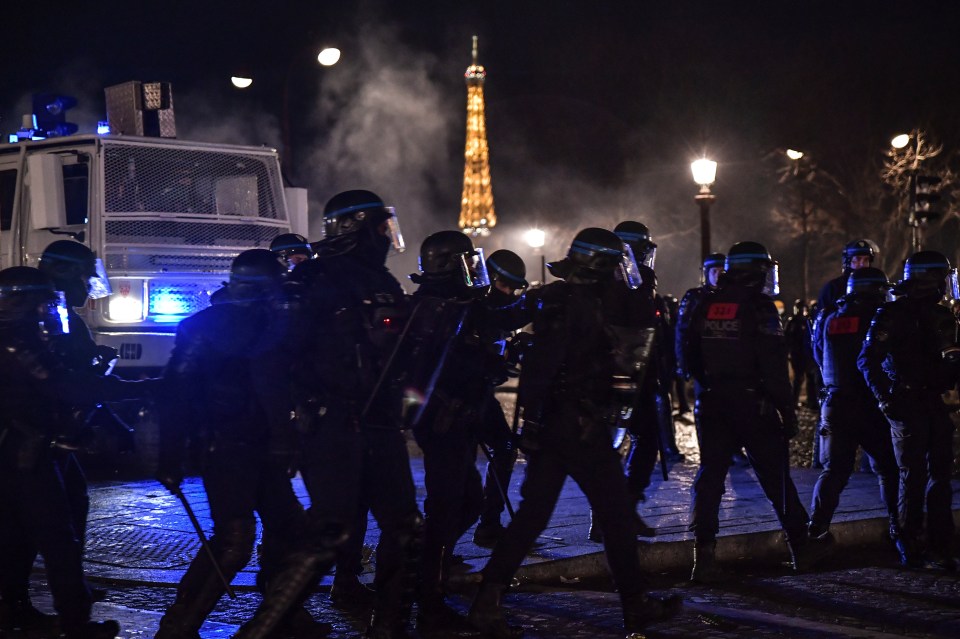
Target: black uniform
(849, 416)
(738, 357)
(75, 351)
(566, 382)
(446, 430)
(493, 431)
(228, 396)
(353, 450)
(39, 506)
(644, 423)
(902, 363)
(832, 291)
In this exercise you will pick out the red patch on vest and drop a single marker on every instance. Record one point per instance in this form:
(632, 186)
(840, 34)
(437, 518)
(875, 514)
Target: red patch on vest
(722, 311)
(843, 326)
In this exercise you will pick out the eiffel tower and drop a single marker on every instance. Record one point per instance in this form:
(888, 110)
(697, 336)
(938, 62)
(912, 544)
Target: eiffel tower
(477, 216)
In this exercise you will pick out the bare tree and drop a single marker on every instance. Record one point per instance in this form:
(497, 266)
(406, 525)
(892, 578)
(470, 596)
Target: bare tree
(810, 204)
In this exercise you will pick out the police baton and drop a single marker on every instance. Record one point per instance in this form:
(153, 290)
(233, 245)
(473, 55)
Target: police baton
(203, 541)
(496, 478)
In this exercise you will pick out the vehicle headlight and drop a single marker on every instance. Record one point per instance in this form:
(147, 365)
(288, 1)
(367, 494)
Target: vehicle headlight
(126, 303)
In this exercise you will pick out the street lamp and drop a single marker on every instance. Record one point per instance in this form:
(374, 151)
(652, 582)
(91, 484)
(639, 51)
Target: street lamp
(900, 141)
(704, 173)
(802, 173)
(535, 239)
(327, 57)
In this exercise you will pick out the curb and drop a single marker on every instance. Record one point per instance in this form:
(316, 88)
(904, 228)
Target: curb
(677, 556)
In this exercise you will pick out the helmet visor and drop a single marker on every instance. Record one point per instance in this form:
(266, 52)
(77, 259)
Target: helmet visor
(629, 271)
(771, 282)
(99, 284)
(952, 285)
(393, 232)
(55, 316)
(474, 269)
(649, 256)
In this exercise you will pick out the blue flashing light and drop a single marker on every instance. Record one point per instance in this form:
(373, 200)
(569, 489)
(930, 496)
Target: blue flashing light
(168, 319)
(103, 127)
(13, 138)
(162, 303)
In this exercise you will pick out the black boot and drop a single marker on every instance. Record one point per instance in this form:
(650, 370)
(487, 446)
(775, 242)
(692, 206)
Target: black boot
(300, 624)
(806, 553)
(641, 610)
(20, 614)
(486, 615)
(349, 594)
(488, 533)
(705, 567)
(94, 630)
(436, 619)
(643, 528)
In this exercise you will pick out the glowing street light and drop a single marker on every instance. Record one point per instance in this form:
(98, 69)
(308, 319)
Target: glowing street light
(329, 56)
(794, 155)
(240, 82)
(704, 174)
(900, 141)
(535, 239)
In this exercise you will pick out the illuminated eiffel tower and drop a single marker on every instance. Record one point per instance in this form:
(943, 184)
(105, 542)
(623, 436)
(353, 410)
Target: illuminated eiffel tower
(477, 216)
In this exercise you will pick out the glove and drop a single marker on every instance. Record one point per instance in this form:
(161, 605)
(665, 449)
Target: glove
(892, 409)
(170, 476)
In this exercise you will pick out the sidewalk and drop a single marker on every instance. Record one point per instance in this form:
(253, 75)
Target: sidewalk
(138, 533)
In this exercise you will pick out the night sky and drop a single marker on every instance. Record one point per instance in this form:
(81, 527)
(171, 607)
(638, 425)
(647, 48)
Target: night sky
(594, 109)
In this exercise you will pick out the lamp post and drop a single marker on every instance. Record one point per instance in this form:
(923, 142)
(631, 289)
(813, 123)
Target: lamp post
(327, 57)
(801, 171)
(704, 174)
(899, 143)
(535, 239)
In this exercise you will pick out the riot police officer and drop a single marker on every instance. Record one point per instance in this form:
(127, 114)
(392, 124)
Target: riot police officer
(507, 274)
(292, 248)
(736, 353)
(644, 423)
(76, 272)
(39, 513)
(349, 405)
(849, 414)
(566, 392)
(856, 254)
(451, 374)
(226, 395)
(907, 360)
(710, 272)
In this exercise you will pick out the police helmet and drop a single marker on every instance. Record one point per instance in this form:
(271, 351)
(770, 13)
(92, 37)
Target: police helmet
(350, 212)
(287, 245)
(751, 264)
(255, 275)
(507, 267)
(713, 260)
(868, 281)
(594, 254)
(858, 248)
(451, 255)
(30, 302)
(75, 270)
(929, 271)
(637, 235)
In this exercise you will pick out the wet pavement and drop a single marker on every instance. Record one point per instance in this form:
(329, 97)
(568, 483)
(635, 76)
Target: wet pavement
(140, 541)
